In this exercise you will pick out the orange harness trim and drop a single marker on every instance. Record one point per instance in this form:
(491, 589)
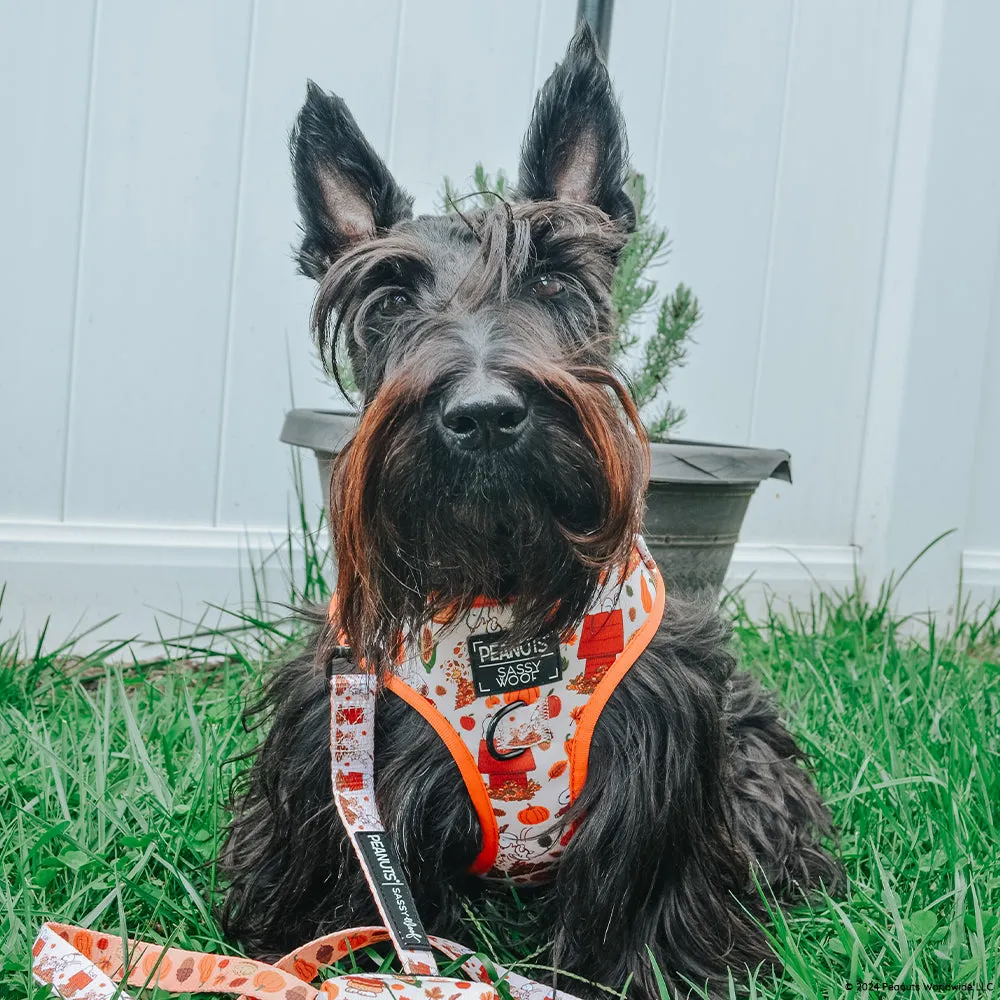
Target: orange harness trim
(466, 765)
(636, 646)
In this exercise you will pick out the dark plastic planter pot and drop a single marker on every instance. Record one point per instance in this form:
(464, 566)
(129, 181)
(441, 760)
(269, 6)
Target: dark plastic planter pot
(698, 494)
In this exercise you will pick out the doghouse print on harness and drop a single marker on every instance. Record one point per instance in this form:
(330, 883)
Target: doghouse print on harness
(518, 720)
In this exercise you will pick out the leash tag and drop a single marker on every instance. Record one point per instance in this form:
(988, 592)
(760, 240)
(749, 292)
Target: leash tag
(498, 668)
(388, 883)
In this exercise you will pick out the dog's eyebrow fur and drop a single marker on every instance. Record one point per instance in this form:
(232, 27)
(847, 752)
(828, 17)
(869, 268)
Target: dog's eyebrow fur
(387, 260)
(516, 238)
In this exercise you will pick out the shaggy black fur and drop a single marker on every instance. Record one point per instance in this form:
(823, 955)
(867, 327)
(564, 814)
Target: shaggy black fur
(695, 787)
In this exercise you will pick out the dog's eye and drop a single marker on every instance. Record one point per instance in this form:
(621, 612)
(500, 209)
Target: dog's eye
(393, 302)
(547, 287)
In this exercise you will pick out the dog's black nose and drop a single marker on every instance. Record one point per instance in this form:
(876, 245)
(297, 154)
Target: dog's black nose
(488, 414)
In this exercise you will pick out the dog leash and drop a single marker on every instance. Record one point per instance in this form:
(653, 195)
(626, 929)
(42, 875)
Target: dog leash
(352, 767)
(81, 964)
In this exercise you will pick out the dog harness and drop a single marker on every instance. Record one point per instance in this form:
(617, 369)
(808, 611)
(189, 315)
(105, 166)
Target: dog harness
(523, 707)
(518, 720)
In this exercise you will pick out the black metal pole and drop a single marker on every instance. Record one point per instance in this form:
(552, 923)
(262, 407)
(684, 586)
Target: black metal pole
(598, 14)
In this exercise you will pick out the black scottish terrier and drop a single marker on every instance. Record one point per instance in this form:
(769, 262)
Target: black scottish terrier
(499, 455)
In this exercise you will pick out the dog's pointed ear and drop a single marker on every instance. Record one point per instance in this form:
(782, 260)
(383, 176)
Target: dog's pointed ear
(345, 192)
(576, 148)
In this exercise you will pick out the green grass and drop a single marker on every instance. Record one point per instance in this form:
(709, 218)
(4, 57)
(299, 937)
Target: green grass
(112, 789)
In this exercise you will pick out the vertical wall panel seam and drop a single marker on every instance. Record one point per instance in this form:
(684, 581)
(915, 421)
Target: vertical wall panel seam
(227, 347)
(661, 122)
(78, 275)
(390, 145)
(765, 305)
(877, 310)
(536, 66)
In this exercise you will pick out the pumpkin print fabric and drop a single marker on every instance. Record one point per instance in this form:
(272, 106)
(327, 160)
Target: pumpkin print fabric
(523, 715)
(83, 965)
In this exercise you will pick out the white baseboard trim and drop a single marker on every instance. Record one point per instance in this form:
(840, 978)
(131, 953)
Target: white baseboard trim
(157, 580)
(765, 574)
(152, 580)
(981, 577)
(134, 544)
(826, 565)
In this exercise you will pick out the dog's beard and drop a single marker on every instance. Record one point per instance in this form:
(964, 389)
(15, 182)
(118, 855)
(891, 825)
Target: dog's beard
(422, 530)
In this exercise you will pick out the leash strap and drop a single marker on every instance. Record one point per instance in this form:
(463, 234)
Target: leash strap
(352, 762)
(82, 964)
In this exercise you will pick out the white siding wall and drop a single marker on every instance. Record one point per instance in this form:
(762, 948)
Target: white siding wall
(829, 171)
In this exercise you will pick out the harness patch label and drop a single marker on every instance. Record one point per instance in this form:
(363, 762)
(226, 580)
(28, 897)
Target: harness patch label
(394, 894)
(498, 668)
